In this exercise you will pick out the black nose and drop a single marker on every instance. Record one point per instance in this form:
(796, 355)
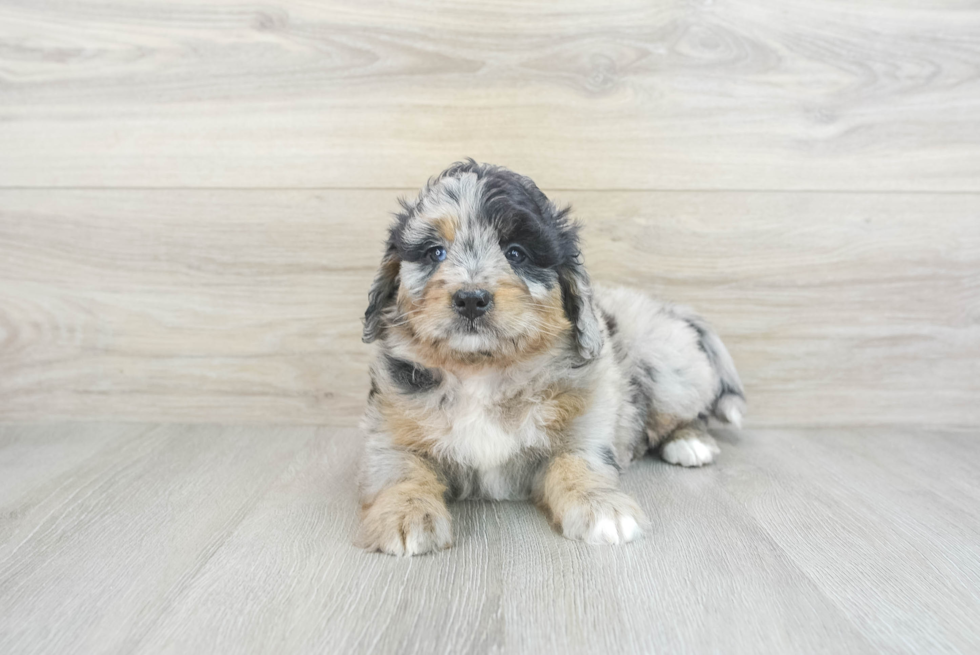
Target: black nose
(472, 304)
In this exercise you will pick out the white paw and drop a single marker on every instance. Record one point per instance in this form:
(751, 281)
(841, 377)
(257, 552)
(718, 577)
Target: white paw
(416, 531)
(612, 518)
(689, 451)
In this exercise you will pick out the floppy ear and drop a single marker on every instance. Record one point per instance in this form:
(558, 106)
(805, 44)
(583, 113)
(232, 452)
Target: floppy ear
(382, 293)
(576, 296)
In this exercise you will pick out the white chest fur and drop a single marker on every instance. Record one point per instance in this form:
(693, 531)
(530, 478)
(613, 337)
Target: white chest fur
(490, 419)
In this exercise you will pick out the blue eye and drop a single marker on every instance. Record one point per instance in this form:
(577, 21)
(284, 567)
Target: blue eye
(436, 253)
(515, 254)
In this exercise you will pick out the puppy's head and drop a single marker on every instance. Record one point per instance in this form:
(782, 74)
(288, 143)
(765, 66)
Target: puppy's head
(483, 265)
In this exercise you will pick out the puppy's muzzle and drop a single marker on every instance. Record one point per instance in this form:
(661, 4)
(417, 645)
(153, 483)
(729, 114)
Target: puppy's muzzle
(472, 304)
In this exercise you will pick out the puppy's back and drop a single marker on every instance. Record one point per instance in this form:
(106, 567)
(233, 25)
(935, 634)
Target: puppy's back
(674, 360)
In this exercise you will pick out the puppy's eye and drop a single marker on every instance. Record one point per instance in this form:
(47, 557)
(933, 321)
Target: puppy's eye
(515, 254)
(436, 253)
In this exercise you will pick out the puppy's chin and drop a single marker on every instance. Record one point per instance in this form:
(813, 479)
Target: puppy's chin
(471, 339)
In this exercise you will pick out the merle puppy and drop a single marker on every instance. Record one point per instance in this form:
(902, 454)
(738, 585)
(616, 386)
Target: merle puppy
(502, 373)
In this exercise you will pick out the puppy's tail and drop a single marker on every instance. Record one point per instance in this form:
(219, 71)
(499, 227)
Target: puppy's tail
(729, 404)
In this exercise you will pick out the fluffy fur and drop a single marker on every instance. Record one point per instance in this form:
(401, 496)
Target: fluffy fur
(547, 395)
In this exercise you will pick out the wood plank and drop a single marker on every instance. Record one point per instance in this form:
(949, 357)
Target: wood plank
(245, 306)
(706, 581)
(884, 522)
(871, 95)
(90, 558)
(29, 457)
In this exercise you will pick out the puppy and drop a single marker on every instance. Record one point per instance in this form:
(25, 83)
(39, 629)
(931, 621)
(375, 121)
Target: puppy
(503, 374)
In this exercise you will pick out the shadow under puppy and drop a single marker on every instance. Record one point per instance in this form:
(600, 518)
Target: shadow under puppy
(503, 374)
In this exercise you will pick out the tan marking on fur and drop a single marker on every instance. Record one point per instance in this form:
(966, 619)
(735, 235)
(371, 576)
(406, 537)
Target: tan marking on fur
(433, 353)
(575, 498)
(696, 429)
(513, 307)
(407, 425)
(419, 481)
(433, 308)
(437, 354)
(391, 266)
(560, 407)
(555, 408)
(415, 500)
(661, 425)
(437, 300)
(509, 296)
(446, 226)
(405, 430)
(514, 410)
(514, 303)
(570, 482)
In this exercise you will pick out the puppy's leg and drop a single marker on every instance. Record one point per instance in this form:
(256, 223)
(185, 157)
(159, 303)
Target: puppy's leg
(584, 504)
(689, 445)
(402, 507)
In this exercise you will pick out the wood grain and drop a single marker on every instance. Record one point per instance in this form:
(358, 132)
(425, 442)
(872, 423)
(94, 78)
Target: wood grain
(830, 498)
(706, 94)
(245, 305)
(175, 538)
(92, 556)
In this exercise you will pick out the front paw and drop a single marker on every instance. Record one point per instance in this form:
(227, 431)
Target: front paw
(403, 525)
(608, 517)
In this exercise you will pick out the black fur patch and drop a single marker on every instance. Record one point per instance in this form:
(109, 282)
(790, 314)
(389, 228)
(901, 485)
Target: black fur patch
(514, 206)
(543, 276)
(610, 322)
(461, 485)
(609, 457)
(522, 215)
(570, 300)
(725, 388)
(412, 378)
(384, 288)
(452, 193)
(641, 398)
(702, 335)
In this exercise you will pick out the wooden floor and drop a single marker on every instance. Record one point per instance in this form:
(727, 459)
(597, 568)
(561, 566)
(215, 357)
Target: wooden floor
(132, 538)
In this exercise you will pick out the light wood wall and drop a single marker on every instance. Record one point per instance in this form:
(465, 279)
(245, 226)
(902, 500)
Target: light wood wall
(193, 194)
